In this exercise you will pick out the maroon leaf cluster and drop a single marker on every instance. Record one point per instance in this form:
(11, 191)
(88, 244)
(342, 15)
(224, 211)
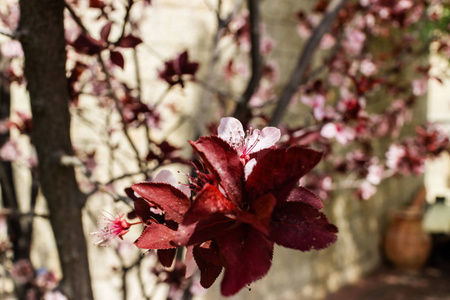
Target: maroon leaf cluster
(177, 68)
(233, 222)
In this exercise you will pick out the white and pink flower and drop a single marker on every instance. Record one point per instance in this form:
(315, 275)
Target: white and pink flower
(249, 141)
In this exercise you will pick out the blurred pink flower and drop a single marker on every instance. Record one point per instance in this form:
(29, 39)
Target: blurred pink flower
(343, 134)
(327, 41)
(354, 41)
(112, 228)
(11, 48)
(419, 86)
(10, 151)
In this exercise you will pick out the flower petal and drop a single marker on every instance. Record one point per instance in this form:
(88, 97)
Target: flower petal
(279, 170)
(231, 131)
(248, 257)
(224, 163)
(249, 167)
(268, 137)
(165, 176)
(300, 226)
(171, 200)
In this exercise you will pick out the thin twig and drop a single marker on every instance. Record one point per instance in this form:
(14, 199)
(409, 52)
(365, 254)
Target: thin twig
(304, 60)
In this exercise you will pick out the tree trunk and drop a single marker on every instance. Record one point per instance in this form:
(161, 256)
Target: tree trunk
(41, 32)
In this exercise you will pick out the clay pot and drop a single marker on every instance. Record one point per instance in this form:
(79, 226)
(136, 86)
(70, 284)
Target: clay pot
(407, 245)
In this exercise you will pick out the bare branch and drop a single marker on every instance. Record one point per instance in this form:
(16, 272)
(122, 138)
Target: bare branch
(304, 60)
(242, 111)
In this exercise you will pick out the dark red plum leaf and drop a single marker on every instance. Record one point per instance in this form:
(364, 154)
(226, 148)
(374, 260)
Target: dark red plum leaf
(224, 163)
(260, 213)
(209, 201)
(279, 170)
(117, 59)
(208, 216)
(104, 33)
(207, 257)
(248, 257)
(129, 41)
(96, 4)
(166, 256)
(87, 45)
(302, 227)
(170, 199)
(156, 236)
(304, 195)
(207, 228)
(142, 210)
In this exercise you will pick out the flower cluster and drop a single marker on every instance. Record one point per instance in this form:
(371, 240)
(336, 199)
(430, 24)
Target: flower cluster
(251, 201)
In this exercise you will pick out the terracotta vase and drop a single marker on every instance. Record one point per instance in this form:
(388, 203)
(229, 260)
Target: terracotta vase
(407, 245)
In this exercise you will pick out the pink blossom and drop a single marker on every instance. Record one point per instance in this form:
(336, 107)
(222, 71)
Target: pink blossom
(114, 227)
(267, 45)
(367, 67)
(342, 134)
(22, 271)
(335, 78)
(166, 176)
(317, 102)
(394, 155)
(249, 141)
(420, 86)
(46, 279)
(327, 41)
(354, 41)
(56, 295)
(11, 49)
(303, 30)
(375, 174)
(366, 190)
(403, 5)
(10, 151)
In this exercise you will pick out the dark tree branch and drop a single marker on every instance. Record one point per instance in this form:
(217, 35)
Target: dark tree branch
(242, 111)
(304, 60)
(43, 42)
(221, 25)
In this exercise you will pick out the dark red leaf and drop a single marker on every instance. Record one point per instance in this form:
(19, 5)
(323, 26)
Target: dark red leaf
(248, 257)
(208, 215)
(156, 236)
(304, 195)
(117, 59)
(224, 163)
(166, 256)
(260, 213)
(207, 257)
(209, 201)
(96, 4)
(300, 226)
(279, 170)
(170, 199)
(129, 41)
(87, 45)
(207, 228)
(106, 30)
